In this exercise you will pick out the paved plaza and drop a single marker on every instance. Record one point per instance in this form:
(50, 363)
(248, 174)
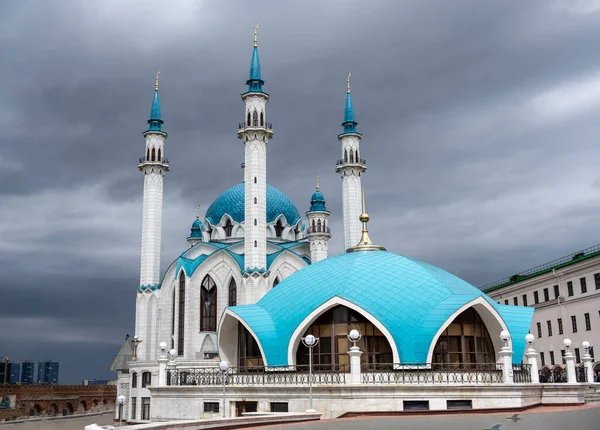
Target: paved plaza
(557, 418)
(72, 423)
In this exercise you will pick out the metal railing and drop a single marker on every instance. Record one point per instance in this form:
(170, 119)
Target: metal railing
(243, 125)
(581, 374)
(428, 373)
(521, 373)
(312, 229)
(357, 161)
(147, 160)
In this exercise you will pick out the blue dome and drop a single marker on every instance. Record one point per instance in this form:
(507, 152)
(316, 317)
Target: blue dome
(317, 202)
(231, 202)
(197, 228)
(410, 298)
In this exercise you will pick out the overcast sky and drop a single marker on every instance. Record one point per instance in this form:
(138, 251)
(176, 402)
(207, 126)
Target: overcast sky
(481, 124)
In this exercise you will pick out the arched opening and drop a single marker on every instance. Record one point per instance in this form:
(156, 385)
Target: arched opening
(356, 152)
(345, 156)
(173, 319)
(559, 374)
(332, 328)
(465, 344)
(147, 154)
(249, 121)
(53, 410)
(35, 410)
(146, 379)
(82, 407)
(69, 408)
(228, 228)
(153, 155)
(255, 222)
(249, 352)
(181, 325)
(255, 244)
(262, 120)
(278, 228)
(275, 282)
(314, 226)
(208, 305)
(232, 293)
(351, 156)
(255, 179)
(319, 226)
(134, 380)
(158, 158)
(255, 201)
(94, 403)
(255, 119)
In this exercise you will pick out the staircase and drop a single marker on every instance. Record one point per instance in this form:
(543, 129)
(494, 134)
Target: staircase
(592, 394)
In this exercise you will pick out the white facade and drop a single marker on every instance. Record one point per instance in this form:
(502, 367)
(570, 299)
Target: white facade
(318, 235)
(567, 305)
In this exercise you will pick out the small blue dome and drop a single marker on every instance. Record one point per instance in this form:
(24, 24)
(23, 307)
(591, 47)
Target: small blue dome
(197, 228)
(317, 202)
(231, 202)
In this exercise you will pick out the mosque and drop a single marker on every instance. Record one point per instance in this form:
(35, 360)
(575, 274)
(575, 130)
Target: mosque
(255, 280)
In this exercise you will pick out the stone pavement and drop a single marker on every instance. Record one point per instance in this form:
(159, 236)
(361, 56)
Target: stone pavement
(585, 417)
(72, 423)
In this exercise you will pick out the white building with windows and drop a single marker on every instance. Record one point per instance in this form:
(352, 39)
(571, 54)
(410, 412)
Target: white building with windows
(565, 294)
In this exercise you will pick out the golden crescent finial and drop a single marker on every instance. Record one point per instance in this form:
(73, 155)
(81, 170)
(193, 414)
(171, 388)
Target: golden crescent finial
(317, 182)
(156, 82)
(255, 39)
(198, 212)
(349, 74)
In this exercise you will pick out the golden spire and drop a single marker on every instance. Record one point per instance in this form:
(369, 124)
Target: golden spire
(317, 182)
(365, 243)
(156, 82)
(198, 212)
(349, 74)
(255, 40)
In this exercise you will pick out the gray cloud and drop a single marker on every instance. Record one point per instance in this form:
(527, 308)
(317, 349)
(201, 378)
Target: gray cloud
(479, 122)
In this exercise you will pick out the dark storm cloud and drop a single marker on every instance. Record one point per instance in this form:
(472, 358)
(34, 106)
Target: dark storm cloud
(479, 121)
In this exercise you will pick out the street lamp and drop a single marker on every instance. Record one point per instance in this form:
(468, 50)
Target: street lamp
(505, 337)
(310, 342)
(121, 401)
(354, 336)
(224, 367)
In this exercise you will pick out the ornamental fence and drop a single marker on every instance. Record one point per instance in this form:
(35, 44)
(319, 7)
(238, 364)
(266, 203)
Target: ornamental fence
(404, 373)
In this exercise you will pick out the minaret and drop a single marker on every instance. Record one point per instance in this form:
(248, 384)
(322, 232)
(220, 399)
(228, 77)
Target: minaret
(351, 167)
(153, 166)
(197, 230)
(317, 231)
(255, 132)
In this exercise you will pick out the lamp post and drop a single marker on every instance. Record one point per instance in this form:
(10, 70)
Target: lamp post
(224, 367)
(354, 336)
(587, 361)
(531, 355)
(506, 354)
(570, 362)
(121, 401)
(310, 342)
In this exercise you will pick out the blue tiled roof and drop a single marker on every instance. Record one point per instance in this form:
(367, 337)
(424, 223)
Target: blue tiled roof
(197, 228)
(349, 122)
(412, 299)
(317, 202)
(155, 122)
(232, 202)
(255, 81)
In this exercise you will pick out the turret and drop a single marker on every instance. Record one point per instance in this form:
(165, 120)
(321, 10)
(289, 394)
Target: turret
(317, 231)
(197, 230)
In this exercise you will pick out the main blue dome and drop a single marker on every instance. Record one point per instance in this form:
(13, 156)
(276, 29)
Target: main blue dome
(231, 202)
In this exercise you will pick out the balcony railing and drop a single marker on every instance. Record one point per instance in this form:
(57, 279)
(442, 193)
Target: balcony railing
(431, 373)
(147, 160)
(357, 161)
(318, 229)
(243, 125)
(521, 373)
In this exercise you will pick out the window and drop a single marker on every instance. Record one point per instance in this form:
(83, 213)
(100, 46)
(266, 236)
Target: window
(539, 329)
(524, 299)
(153, 155)
(351, 157)
(275, 282)
(255, 183)
(546, 295)
(255, 222)
(249, 122)
(228, 228)
(570, 288)
(262, 119)
(279, 228)
(588, 323)
(232, 293)
(552, 358)
(148, 154)
(597, 280)
(506, 302)
(583, 283)
(345, 156)
(181, 324)
(208, 305)
(560, 327)
(146, 379)
(415, 405)
(536, 298)
(146, 408)
(577, 356)
(516, 301)
(255, 201)
(556, 292)
(543, 359)
(255, 119)
(134, 380)
(549, 328)
(574, 323)
(255, 244)
(592, 352)
(158, 158)
(562, 354)
(133, 407)
(249, 352)
(279, 407)
(211, 407)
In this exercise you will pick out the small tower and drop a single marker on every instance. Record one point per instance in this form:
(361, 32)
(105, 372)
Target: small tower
(318, 229)
(153, 165)
(255, 132)
(197, 230)
(351, 167)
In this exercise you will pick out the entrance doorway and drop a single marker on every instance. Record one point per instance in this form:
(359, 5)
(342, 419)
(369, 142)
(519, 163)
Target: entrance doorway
(244, 407)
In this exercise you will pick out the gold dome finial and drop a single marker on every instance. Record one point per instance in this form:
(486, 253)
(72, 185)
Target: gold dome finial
(156, 82)
(198, 212)
(317, 182)
(365, 243)
(255, 39)
(349, 74)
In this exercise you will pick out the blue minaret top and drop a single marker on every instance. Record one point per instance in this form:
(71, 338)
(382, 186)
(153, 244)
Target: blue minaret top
(197, 226)
(317, 201)
(349, 123)
(155, 122)
(255, 81)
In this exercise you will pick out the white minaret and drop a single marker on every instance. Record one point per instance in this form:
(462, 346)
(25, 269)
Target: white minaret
(317, 230)
(153, 165)
(351, 167)
(255, 132)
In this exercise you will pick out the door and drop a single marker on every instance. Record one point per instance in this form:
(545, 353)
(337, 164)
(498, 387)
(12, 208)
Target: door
(244, 407)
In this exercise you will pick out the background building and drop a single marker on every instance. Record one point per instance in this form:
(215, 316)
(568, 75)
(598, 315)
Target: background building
(29, 372)
(565, 294)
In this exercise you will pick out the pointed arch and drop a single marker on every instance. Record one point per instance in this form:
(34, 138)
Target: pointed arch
(232, 293)
(153, 158)
(158, 158)
(255, 201)
(345, 155)
(148, 154)
(262, 120)
(276, 281)
(356, 154)
(319, 226)
(351, 156)
(255, 119)
(249, 121)
(278, 228)
(208, 305)
(181, 325)
(228, 227)
(314, 226)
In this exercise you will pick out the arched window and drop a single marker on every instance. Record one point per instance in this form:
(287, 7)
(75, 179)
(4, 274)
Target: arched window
(153, 155)
(357, 160)
(262, 120)
(332, 328)
(173, 320)
(146, 379)
(255, 222)
(249, 352)
(255, 244)
(208, 305)
(351, 156)
(181, 325)
(466, 343)
(249, 122)
(314, 226)
(134, 380)
(278, 228)
(255, 119)
(232, 293)
(255, 179)
(255, 201)
(319, 226)
(345, 156)
(158, 158)
(275, 282)
(228, 227)
(148, 154)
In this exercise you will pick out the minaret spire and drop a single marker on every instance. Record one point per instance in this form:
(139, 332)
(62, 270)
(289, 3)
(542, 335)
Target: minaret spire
(255, 39)
(365, 243)
(255, 81)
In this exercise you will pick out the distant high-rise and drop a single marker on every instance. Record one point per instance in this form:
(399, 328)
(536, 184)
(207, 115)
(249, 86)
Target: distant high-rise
(29, 372)
(14, 373)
